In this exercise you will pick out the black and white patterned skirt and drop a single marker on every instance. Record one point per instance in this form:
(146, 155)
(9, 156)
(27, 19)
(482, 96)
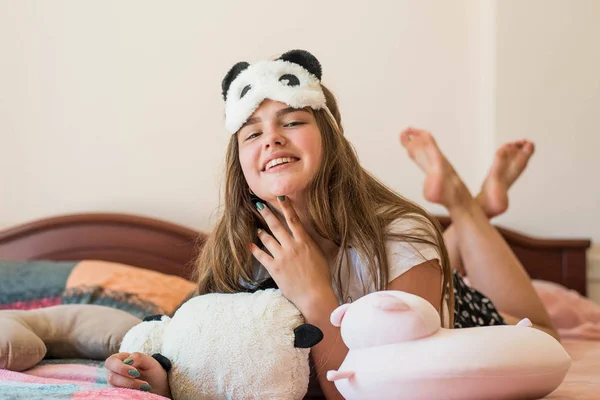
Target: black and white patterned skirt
(472, 308)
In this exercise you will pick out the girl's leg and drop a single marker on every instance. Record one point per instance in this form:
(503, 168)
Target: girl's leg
(509, 162)
(488, 261)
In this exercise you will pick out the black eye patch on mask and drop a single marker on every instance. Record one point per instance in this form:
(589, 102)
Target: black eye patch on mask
(290, 80)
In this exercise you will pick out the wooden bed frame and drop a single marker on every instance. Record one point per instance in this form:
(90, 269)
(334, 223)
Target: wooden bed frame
(169, 248)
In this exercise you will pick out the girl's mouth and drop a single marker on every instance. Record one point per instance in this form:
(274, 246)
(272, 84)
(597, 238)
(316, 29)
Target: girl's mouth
(279, 163)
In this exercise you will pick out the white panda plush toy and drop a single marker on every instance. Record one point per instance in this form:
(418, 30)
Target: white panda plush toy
(230, 346)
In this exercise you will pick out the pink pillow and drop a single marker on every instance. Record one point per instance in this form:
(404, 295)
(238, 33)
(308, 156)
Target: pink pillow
(397, 350)
(573, 315)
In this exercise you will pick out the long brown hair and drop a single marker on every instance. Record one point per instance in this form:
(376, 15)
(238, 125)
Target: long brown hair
(346, 205)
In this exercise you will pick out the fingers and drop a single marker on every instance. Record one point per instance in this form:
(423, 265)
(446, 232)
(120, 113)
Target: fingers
(122, 370)
(282, 236)
(291, 217)
(115, 363)
(263, 258)
(129, 365)
(119, 364)
(129, 383)
(270, 243)
(279, 231)
(141, 361)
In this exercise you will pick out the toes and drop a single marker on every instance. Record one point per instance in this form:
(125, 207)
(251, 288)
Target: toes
(409, 135)
(405, 137)
(506, 147)
(528, 148)
(504, 150)
(524, 145)
(414, 135)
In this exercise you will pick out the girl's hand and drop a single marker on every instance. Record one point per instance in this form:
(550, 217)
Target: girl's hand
(137, 371)
(297, 263)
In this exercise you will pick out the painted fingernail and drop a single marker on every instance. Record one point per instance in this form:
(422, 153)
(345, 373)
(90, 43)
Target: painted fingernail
(281, 198)
(128, 361)
(134, 373)
(145, 387)
(260, 206)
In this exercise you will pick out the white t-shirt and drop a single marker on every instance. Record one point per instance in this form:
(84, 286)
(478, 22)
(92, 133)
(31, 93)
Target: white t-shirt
(402, 256)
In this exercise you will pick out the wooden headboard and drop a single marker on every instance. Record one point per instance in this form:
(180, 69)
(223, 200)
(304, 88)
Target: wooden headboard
(129, 239)
(170, 248)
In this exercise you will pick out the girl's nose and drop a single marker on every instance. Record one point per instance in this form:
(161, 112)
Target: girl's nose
(273, 137)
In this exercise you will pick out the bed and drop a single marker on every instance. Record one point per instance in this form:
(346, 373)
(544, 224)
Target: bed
(171, 249)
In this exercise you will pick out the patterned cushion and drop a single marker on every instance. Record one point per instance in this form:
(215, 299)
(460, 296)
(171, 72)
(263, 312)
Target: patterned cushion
(26, 285)
(36, 284)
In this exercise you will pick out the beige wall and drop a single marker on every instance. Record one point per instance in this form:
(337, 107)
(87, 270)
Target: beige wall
(115, 106)
(548, 89)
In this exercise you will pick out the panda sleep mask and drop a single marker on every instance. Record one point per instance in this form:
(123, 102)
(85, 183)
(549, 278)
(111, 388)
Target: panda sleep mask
(293, 79)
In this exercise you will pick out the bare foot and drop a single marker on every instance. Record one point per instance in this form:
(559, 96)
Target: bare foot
(442, 185)
(509, 162)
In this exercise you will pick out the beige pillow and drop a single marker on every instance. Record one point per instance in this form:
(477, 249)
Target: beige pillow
(66, 331)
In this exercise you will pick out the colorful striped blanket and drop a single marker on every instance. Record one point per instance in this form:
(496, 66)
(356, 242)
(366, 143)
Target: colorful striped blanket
(26, 285)
(65, 379)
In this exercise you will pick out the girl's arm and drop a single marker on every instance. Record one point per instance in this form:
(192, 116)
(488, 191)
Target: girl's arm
(331, 351)
(300, 269)
(424, 280)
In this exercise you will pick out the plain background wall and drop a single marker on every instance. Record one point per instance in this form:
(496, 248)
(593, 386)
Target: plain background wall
(548, 89)
(116, 106)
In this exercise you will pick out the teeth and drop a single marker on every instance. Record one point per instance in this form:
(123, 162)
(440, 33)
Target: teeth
(278, 161)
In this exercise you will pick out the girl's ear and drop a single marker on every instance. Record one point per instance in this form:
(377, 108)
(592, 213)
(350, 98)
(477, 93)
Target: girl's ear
(338, 314)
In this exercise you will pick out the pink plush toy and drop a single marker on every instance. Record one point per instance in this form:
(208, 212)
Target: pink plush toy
(398, 350)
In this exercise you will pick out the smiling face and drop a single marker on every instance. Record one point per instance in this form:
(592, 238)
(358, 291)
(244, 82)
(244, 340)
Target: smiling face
(280, 150)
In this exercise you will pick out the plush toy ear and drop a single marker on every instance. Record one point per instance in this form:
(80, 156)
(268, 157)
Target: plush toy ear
(338, 314)
(231, 75)
(307, 336)
(146, 337)
(304, 59)
(163, 361)
(526, 322)
(268, 283)
(155, 317)
(390, 303)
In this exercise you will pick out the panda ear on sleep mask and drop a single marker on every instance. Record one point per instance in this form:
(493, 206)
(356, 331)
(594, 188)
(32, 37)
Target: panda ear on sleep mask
(293, 79)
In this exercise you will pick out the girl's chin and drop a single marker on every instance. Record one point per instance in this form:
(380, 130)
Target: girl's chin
(289, 191)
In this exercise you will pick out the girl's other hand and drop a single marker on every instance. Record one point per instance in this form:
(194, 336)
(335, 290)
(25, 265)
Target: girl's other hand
(137, 371)
(297, 263)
